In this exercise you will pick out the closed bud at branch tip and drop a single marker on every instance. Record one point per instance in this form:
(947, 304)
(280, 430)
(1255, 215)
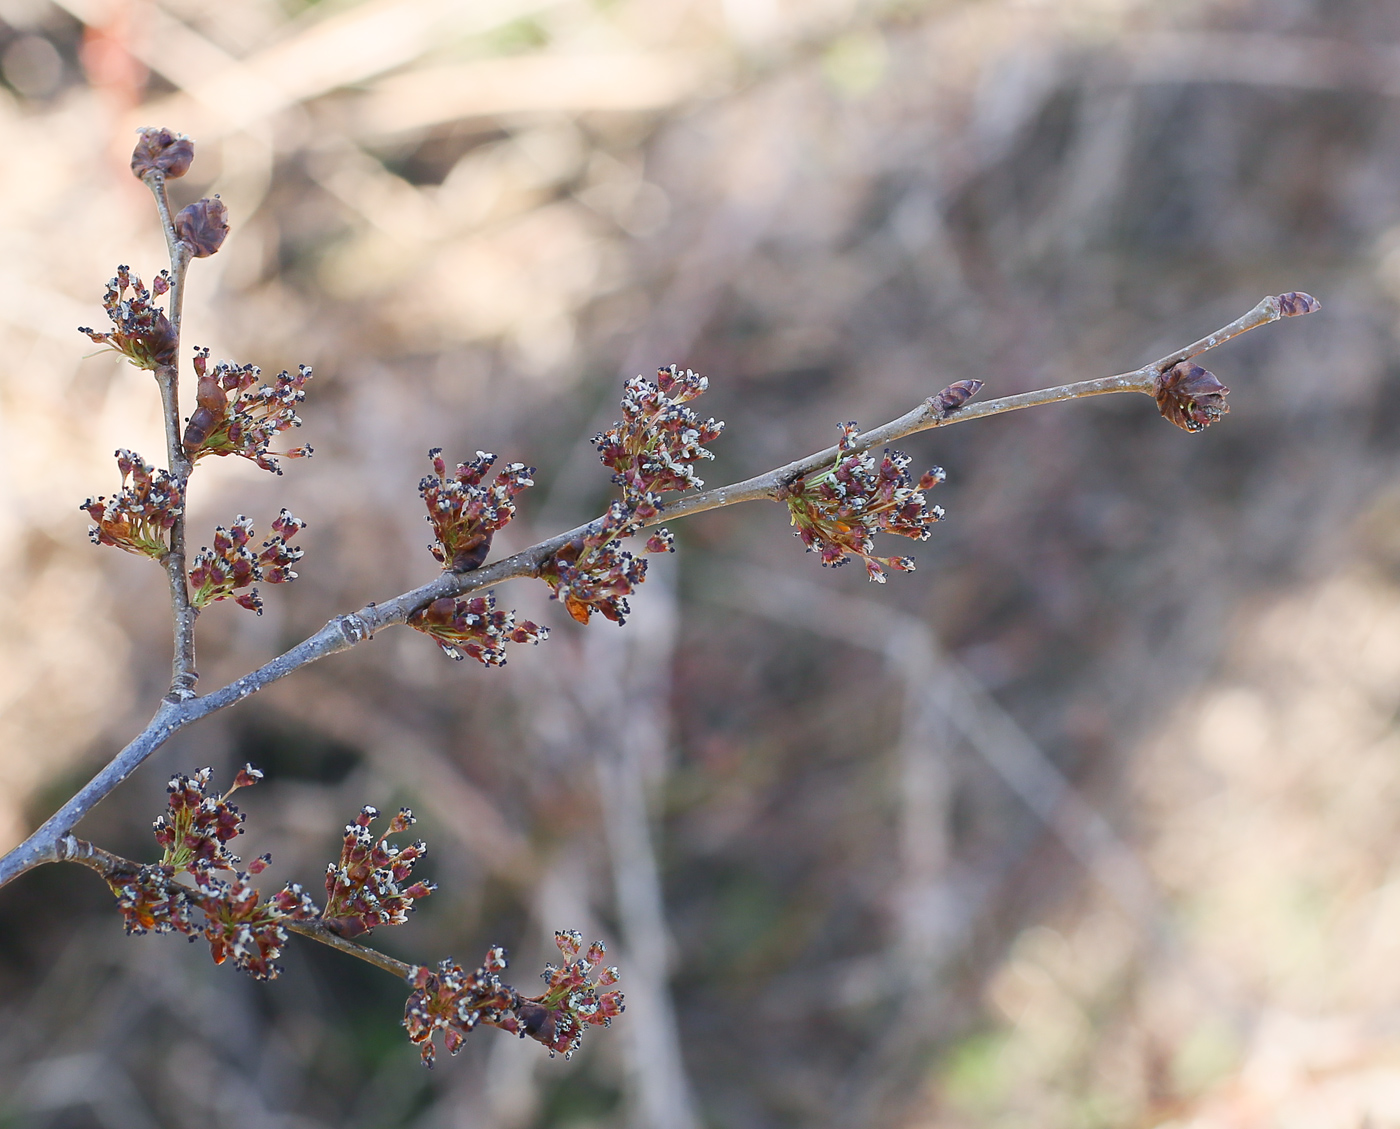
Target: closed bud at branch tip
(159, 150)
(1295, 304)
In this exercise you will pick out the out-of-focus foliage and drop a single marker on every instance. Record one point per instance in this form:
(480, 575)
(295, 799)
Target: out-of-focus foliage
(1088, 822)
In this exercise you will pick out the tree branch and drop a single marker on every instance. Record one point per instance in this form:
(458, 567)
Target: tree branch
(183, 675)
(72, 849)
(343, 632)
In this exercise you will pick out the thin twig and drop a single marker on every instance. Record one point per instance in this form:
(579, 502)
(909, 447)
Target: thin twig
(345, 631)
(183, 675)
(318, 932)
(110, 866)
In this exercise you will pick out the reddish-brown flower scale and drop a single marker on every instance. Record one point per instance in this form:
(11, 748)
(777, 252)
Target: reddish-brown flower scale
(837, 511)
(140, 332)
(202, 226)
(366, 887)
(473, 627)
(1190, 396)
(160, 150)
(658, 442)
(464, 513)
(140, 517)
(235, 417)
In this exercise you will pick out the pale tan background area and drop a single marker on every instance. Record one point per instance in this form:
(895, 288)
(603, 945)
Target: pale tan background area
(1092, 821)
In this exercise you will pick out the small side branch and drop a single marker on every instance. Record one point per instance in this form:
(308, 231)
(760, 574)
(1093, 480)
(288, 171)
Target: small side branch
(346, 631)
(110, 866)
(318, 932)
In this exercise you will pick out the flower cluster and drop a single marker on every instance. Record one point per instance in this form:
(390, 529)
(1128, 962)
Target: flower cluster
(141, 332)
(367, 886)
(138, 519)
(456, 1003)
(217, 573)
(474, 627)
(235, 418)
(1189, 396)
(240, 926)
(197, 825)
(464, 513)
(572, 999)
(593, 573)
(150, 900)
(193, 835)
(838, 510)
(659, 441)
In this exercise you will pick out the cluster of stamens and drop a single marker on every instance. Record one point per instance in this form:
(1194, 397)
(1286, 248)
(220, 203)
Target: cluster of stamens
(659, 440)
(241, 927)
(138, 519)
(572, 1000)
(369, 886)
(464, 513)
(233, 417)
(473, 627)
(594, 573)
(837, 511)
(217, 573)
(141, 331)
(456, 1002)
(193, 834)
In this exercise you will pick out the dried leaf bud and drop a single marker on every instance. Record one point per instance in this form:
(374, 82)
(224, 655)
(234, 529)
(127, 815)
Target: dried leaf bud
(1295, 304)
(202, 226)
(159, 150)
(1190, 396)
(955, 396)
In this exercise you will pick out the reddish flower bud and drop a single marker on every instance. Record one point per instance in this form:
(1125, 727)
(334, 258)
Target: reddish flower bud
(1295, 303)
(955, 396)
(1190, 396)
(202, 226)
(159, 150)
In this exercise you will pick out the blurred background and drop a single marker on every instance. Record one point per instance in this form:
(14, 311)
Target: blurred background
(1089, 822)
